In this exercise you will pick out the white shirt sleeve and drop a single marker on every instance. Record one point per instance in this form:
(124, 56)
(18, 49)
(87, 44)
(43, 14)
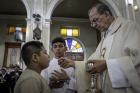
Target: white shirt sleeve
(72, 84)
(117, 77)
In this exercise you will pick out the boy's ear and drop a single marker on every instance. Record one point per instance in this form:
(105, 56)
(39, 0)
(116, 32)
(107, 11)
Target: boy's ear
(35, 58)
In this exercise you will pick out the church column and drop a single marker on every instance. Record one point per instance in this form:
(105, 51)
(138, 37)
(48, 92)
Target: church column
(38, 7)
(46, 34)
(48, 9)
(29, 29)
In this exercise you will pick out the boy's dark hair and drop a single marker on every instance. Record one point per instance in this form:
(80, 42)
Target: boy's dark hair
(59, 39)
(102, 8)
(28, 49)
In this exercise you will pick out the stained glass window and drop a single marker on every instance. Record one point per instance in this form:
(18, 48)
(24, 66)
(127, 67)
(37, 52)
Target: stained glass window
(73, 45)
(12, 29)
(69, 31)
(18, 32)
(74, 50)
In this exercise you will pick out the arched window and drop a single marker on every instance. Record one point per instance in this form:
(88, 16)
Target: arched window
(73, 45)
(74, 49)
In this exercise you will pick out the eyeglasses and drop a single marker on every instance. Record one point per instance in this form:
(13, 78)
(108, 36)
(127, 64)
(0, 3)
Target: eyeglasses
(96, 20)
(59, 46)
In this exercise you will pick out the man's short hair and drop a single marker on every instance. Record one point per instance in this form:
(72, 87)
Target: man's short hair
(101, 8)
(59, 39)
(29, 48)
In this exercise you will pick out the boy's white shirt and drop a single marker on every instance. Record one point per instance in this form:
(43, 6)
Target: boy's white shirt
(70, 72)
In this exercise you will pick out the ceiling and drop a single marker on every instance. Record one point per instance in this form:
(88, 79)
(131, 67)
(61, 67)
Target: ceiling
(12, 7)
(67, 8)
(73, 8)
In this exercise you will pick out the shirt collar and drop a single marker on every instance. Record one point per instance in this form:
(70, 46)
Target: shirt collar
(116, 24)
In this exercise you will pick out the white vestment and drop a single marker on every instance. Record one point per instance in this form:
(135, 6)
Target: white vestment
(121, 50)
(68, 86)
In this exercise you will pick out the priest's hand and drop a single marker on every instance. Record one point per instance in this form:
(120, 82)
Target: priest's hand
(66, 63)
(98, 66)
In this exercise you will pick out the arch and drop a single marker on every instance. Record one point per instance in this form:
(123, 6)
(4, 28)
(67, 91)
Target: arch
(51, 8)
(27, 8)
(111, 4)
